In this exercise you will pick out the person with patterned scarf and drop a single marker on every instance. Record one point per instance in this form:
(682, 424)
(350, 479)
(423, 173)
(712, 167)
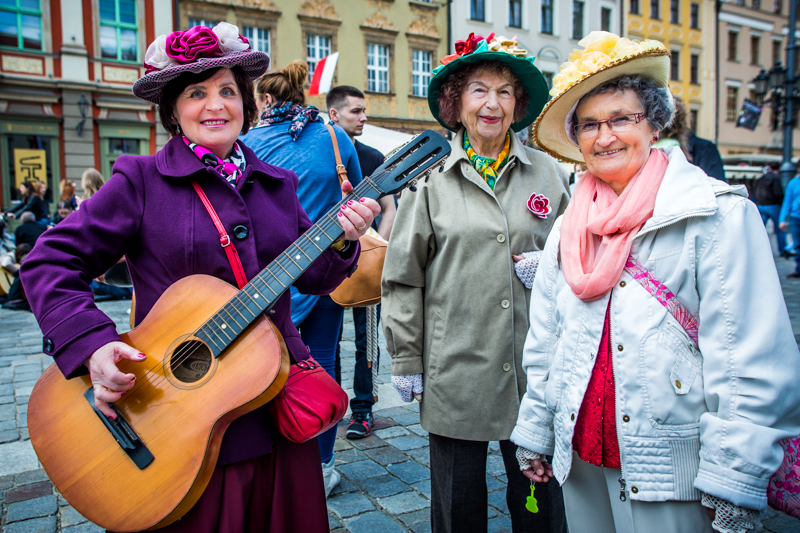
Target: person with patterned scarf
(291, 135)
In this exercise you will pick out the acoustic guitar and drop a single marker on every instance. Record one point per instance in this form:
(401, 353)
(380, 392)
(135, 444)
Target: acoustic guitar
(212, 356)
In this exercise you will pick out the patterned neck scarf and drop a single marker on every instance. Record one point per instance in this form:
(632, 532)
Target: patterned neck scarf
(231, 168)
(487, 167)
(299, 116)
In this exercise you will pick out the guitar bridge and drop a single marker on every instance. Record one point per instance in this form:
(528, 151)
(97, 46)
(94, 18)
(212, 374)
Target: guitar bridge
(123, 433)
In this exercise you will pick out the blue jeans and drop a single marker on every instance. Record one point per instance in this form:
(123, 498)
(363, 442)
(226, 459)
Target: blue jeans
(320, 332)
(794, 228)
(363, 400)
(773, 212)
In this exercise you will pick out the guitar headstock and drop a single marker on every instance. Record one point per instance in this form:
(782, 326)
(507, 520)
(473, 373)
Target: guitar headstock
(415, 159)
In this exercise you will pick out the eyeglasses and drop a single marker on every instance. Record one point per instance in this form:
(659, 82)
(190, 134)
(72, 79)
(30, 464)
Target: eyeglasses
(615, 124)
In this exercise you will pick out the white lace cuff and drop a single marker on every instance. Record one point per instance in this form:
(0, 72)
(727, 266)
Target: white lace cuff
(526, 269)
(730, 518)
(408, 386)
(525, 456)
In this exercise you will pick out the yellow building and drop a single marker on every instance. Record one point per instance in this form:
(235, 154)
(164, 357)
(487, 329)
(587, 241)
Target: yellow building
(686, 27)
(386, 48)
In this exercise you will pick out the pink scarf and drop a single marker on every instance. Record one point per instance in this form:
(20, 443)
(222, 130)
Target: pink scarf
(599, 227)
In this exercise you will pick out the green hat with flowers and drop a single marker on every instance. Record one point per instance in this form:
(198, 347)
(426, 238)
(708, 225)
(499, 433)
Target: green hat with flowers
(477, 49)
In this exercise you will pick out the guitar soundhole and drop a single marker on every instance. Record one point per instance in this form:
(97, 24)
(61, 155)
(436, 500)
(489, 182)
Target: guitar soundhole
(191, 361)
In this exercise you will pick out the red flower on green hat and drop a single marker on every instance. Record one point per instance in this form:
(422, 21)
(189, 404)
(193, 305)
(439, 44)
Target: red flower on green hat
(468, 45)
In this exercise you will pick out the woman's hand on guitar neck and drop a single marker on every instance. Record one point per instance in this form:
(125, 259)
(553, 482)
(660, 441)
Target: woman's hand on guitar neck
(109, 383)
(356, 216)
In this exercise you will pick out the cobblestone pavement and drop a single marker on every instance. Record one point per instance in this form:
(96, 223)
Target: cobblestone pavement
(385, 485)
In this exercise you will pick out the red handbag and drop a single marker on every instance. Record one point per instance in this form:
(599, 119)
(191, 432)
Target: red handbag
(311, 402)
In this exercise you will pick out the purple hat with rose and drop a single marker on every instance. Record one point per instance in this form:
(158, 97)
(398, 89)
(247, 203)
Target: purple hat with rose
(197, 49)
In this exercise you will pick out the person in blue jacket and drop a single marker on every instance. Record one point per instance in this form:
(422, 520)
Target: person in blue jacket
(790, 219)
(293, 136)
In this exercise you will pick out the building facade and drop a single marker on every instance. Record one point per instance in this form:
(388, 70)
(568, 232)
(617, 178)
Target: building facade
(547, 29)
(66, 71)
(752, 36)
(686, 27)
(387, 48)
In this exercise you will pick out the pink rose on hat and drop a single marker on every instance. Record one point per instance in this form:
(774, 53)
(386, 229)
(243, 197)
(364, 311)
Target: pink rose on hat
(539, 205)
(192, 44)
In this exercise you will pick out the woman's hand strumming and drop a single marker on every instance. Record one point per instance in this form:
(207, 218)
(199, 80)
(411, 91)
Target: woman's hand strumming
(109, 383)
(356, 216)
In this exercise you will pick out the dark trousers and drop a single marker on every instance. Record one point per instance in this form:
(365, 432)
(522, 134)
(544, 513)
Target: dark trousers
(459, 495)
(794, 228)
(363, 400)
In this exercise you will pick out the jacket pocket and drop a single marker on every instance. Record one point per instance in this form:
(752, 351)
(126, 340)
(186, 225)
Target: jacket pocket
(434, 353)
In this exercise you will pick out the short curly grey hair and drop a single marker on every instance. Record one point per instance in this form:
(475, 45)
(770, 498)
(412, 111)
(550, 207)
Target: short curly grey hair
(656, 101)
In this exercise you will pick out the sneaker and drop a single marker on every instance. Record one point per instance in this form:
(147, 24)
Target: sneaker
(360, 426)
(330, 476)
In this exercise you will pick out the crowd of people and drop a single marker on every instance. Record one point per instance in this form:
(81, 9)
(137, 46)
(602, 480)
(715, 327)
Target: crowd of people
(623, 334)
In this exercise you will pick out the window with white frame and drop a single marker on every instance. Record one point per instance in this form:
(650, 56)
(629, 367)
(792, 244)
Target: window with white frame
(317, 47)
(547, 16)
(421, 71)
(258, 37)
(515, 13)
(201, 22)
(377, 68)
(577, 19)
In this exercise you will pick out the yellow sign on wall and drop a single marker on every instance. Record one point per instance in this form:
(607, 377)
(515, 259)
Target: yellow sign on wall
(30, 165)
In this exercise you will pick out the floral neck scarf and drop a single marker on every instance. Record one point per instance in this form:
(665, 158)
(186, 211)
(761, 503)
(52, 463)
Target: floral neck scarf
(299, 116)
(231, 168)
(487, 167)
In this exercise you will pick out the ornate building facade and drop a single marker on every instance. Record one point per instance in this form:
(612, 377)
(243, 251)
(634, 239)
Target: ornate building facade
(387, 48)
(66, 70)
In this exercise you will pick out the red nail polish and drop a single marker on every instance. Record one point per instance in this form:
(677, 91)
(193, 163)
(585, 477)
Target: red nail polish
(341, 215)
(350, 202)
(143, 356)
(361, 200)
(344, 207)
(123, 393)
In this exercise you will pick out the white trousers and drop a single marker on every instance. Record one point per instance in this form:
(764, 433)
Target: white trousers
(591, 499)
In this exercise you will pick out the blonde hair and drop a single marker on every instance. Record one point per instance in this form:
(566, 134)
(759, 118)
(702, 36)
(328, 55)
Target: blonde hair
(285, 84)
(91, 181)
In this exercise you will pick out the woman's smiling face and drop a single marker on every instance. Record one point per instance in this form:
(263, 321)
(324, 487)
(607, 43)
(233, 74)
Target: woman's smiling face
(210, 113)
(614, 156)
(487, 106)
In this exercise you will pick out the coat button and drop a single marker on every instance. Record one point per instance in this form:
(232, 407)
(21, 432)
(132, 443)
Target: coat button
(678, 383)
(501, 238)
(572, 416)
(626, 418)
(507, 367)
(240, 232)
(48, 345)
(504, 304)
(619, 347)
(621, 283)
(634, 490)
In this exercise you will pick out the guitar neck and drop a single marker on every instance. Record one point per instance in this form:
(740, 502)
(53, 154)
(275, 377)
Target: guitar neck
(261, 293)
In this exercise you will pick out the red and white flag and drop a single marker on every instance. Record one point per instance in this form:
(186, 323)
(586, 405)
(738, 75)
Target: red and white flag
(323, 74)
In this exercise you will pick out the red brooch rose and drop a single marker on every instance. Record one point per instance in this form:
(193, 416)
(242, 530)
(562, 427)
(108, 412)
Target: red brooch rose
(539, 205)
(192, 44)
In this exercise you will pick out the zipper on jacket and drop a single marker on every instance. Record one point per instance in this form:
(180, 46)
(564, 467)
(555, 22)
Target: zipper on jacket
(622, 496)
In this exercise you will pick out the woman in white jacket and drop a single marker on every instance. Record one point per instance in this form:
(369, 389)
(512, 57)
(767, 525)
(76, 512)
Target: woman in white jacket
(654, 404)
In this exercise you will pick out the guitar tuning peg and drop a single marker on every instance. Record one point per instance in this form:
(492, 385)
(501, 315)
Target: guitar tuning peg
(413, 185)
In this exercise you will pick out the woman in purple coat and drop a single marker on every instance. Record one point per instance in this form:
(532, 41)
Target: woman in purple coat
(149, 211)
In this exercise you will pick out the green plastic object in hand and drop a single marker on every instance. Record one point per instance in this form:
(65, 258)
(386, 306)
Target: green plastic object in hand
(531, 504)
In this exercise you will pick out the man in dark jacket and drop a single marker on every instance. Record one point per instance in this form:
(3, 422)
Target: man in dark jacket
(768, 194)
(706, 156)
(28, 232)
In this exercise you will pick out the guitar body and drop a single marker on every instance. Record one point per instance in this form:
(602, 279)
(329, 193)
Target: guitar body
(179, 407)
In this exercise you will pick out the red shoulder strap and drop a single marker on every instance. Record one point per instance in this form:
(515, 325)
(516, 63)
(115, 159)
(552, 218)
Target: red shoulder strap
(224, 238)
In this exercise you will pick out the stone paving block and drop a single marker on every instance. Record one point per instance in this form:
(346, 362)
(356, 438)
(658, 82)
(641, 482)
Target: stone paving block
(494, 446)
(407, 419)
(424, 487)
(23, 434)
(362, 470)
(420, 455)
(5, 380)
(368, 442)
(404, 502)
(28, 375)
(345, 485)
(70, 517)
(424, 527)
(6, 482)
(392, 412)
(498, 500)
(5, 390)
(349, 456)
(492, 484)
(391, 432)
(31, 476)
(416, 428)
(416, 517)
(501, 524)
(62, 502)
(373, 523)
(346, 505)
(502, 479)
(36, 508)
(8, 412)
(86, 527)
(408, 443)
(490, 512)
(495, 465)
(382, 486)
(333, 523)
(383, 422)
(22, 420)
(38, 525)
(29, 492)
(9, 435)
(23, 400)
(386, 455)
(24, 390)
(782, 524)
(6, 399)
(409, 472)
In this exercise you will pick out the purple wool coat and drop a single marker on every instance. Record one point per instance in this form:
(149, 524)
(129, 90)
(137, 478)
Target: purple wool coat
(149, 212)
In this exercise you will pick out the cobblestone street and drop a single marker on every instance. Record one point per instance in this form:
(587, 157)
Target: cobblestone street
(385, 485)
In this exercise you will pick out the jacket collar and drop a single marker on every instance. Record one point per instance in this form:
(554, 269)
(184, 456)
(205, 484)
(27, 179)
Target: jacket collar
(176, 160)
(686, 191)
(457, 153)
